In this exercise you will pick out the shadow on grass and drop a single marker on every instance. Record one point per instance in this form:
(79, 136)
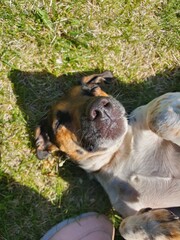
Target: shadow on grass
(26, 215)
(36, 92)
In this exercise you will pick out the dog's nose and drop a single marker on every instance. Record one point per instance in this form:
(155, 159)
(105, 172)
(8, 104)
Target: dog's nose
(100, 109)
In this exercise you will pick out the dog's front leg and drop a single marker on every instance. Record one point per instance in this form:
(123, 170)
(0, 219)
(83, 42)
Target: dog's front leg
(161, 116)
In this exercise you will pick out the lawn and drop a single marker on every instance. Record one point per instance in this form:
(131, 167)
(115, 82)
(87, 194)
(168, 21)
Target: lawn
(46, 47)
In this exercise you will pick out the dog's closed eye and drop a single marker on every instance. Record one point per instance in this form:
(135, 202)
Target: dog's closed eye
(61, 119)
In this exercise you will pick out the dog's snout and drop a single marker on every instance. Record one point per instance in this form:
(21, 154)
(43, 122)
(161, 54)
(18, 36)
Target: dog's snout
(100, 109)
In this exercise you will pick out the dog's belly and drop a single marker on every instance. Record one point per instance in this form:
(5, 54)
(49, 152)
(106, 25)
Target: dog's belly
(156, 192)
(151, 173)
(140, 191)
(143, 173)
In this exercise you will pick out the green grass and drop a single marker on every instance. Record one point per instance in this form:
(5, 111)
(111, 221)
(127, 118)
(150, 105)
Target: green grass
(46, 46)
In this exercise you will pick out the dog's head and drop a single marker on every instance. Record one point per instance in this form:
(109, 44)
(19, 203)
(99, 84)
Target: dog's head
(85, 122)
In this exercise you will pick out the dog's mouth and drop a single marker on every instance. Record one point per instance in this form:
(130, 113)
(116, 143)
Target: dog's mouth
(103, 122)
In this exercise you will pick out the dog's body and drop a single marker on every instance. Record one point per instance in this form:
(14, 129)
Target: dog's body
(136, 162)
(145, 169)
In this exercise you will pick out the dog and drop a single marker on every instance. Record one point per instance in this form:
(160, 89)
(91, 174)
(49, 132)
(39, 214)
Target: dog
(136, 160)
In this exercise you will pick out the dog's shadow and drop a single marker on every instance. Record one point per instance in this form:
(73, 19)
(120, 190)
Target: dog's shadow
(37, 91)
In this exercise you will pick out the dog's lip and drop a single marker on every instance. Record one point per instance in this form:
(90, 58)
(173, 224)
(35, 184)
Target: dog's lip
(106, 131)
(113, 123)
(109, 121)
(113, 118)
(109, 126)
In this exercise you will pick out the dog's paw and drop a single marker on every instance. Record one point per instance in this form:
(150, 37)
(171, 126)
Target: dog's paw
(151, 224)
(163, 116)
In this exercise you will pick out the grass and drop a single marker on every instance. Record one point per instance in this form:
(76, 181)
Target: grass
(46, 46)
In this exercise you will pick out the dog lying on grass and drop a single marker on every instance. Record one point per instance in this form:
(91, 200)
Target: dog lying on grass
(137, 161)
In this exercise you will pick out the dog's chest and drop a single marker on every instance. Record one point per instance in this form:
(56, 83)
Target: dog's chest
(148, 177)
(152, 157)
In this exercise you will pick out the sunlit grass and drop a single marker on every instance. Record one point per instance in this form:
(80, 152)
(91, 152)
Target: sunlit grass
(45, 46)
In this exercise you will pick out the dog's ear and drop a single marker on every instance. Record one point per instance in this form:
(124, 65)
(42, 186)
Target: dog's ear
(106, 77)
(90, 84)
(43, 134)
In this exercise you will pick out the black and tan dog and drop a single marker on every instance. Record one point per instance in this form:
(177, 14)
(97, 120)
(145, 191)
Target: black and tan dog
(136, 162)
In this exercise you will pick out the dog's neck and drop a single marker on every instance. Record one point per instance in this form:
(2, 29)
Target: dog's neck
(103, 159)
